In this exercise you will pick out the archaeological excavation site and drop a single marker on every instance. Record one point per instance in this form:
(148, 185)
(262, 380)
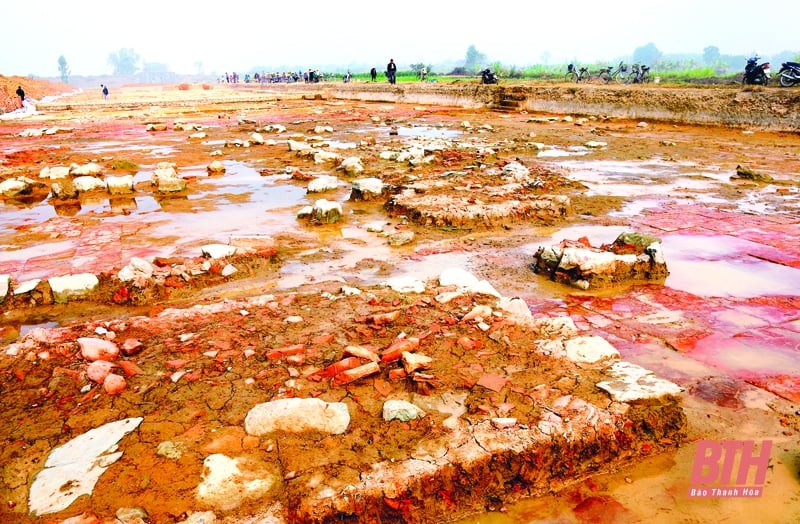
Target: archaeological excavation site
(376, 303)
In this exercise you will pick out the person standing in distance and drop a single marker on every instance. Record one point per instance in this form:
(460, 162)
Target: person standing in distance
(21, 95)
(373, 73)
(391, 71)
(105, 91)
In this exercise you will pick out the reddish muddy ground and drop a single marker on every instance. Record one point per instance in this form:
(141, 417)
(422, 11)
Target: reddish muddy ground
(724, 325)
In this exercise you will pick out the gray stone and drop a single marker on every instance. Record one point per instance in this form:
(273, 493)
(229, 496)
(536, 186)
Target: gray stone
(401, 410)
(63, 189)
(216, 167)
(321, 157)
(630, 383)
(85, 184)
(90, 169)
(215, 251)
(326, 211)
(228, 482)
(297, 415)
(367, 189)
(589, 349)
(516, 171)
(400, 238)
(69, 286)
(14, 187)
(352, 166)
(5, 283)
(136, 268)
(26, 286)
(323, 183)
(132, 515)
(171, 185)
(55, 172)
(295, 145)
(406, 284)
(120, 185)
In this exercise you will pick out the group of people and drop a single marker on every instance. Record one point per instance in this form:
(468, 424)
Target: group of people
(312, 76)
(391, 72)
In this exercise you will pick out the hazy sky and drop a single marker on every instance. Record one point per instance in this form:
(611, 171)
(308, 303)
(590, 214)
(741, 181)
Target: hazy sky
(235, 35)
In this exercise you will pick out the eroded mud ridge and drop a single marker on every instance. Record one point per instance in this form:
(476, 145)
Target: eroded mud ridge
(504, 412)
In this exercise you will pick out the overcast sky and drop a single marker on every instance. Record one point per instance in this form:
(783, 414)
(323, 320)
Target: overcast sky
(236, 35)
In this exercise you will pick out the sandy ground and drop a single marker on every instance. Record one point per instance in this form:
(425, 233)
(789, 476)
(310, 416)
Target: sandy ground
(729, 339)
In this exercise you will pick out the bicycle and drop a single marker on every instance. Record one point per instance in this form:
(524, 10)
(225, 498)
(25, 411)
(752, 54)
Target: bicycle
(581, 75)
(618, 74)
(640, 74)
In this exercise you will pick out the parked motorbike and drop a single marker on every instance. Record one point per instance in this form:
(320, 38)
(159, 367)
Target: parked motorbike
(487, 77)
(789, 74)
(755, 73)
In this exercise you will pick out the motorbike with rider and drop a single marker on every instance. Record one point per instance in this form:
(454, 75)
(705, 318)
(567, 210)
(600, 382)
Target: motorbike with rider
(488, 77)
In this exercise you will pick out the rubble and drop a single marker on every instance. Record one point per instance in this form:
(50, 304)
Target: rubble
(631, 257)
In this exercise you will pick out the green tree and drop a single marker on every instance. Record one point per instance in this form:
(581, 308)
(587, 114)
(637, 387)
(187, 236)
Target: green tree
(646, 54)
(125, 62)
(474, 58)
(711, 55)
(63, 69)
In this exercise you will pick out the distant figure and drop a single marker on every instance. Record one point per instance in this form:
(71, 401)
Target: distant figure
(373, 73)
(105, 91)
(21, 95)
(423, 73)
(391, 71)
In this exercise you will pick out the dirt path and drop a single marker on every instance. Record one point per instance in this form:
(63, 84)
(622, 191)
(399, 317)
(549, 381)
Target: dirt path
(723, 326)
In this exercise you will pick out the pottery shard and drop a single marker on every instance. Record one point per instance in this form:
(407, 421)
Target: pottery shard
(97, 349)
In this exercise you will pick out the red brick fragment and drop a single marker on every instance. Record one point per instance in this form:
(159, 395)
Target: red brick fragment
(383, 318)
(129, 368)
(285, 351)
(396, 349)
(382, 387)
(336, 368)
(351, 375)
(397, 373)
(175, 364)
(492, 382)
(323, 339)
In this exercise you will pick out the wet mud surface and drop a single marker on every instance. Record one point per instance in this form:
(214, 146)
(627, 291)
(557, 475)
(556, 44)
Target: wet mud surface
(724, 324)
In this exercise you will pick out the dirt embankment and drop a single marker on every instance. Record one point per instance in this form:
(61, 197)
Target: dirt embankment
(34, 88)
(764, 107)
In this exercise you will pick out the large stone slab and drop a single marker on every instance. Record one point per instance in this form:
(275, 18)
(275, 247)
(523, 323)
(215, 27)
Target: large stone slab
(72, 470)
(70, 286)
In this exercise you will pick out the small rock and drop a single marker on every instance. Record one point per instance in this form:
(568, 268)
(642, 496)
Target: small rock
(401, 410)
(216, 167)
